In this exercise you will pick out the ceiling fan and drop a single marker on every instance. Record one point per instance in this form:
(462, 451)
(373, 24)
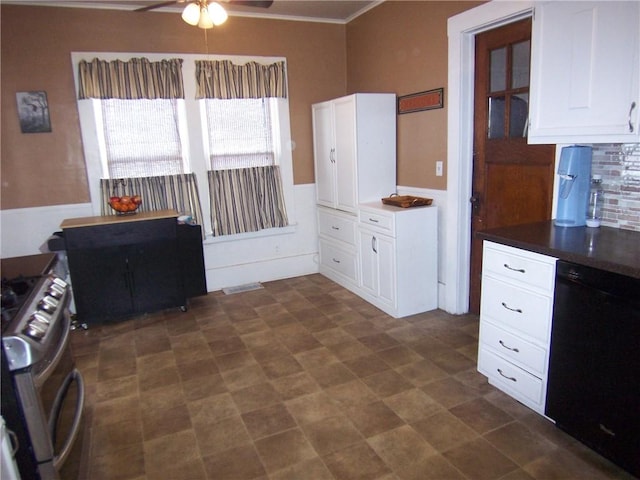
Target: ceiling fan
(206, 13)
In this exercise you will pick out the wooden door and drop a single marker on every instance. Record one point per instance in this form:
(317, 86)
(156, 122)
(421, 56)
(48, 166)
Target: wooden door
(512, 180)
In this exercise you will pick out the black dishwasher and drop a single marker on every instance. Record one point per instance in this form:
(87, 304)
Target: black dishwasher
(593, 390)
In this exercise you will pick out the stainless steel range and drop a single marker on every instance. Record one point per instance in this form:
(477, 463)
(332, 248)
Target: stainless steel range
(44, 390)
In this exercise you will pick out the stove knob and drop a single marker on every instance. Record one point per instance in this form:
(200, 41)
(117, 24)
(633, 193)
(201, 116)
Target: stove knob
(35, 330)
(41, 317)
(61, 283)
(55, 291)
(46, 306)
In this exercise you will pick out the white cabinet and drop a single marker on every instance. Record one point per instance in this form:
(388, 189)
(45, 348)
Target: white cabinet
(585, 85)
(354, 139)
(398, 258)
(515, 321)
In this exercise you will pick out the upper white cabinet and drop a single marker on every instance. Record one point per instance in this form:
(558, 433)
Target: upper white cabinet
(354, 141)
(585, 86)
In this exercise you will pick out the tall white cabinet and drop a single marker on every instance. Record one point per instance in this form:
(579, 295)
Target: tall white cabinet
(354, 149)
(386, 255)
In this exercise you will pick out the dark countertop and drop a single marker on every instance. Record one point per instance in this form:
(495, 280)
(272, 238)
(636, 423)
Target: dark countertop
(611, 249)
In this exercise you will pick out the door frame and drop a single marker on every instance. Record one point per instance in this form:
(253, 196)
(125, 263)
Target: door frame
(461, 30)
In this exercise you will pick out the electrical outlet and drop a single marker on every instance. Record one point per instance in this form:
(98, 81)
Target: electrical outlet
(439, 166)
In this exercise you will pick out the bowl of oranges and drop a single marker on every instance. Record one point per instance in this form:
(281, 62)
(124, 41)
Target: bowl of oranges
(126, 204)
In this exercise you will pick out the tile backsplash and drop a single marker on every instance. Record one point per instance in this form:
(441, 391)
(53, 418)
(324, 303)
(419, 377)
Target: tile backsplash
(619, 165)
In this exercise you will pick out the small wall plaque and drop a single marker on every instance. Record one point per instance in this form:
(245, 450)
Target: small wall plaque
(33, 112)
(416, 102)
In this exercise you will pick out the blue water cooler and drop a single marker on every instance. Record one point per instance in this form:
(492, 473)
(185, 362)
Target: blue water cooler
(574, 171)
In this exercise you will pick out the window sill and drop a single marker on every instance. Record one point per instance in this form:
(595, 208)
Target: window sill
(270, 232)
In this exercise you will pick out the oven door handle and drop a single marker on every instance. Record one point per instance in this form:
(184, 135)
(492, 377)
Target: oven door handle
(76, 376)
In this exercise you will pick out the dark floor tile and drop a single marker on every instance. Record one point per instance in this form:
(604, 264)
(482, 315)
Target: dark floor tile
(478, 459)
(239, 463)
(268, 421)
(481, 415)
(374, 418)
(357, 462)
(331, 434)
(284, 449)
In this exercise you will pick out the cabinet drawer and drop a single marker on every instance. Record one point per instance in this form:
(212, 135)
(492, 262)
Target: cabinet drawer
(513, 379)
(336, 226)
(530, 357)
(341, 261)
(532, 269)
(116, 234)
(379, 220)
(516, 309)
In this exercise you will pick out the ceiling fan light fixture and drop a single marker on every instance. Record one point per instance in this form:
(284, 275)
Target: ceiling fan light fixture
(205, 20)
(217, 13)
(191, 14)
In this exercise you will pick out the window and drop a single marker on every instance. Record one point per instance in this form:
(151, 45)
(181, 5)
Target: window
(147, 140)
(141, 138)
(241, 132)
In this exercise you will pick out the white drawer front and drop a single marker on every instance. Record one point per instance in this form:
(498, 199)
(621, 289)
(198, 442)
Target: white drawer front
(516, 308)
(527, 355)
(532, 269)
(381, 221)
(339, 260)
(338, 227)
(512, 378)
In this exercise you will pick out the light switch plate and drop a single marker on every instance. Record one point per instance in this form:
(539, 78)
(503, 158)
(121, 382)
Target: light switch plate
(439, 169)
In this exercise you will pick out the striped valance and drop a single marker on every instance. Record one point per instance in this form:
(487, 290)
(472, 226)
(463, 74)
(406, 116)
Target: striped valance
(138, 78)
(225, 80)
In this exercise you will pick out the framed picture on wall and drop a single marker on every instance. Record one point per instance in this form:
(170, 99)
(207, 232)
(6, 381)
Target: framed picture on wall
(33, 112)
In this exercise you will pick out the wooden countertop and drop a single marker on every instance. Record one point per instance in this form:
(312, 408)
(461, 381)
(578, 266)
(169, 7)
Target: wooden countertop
(111, 219)
(610, 249)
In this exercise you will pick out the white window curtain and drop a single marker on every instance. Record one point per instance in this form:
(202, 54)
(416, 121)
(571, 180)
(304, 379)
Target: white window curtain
(245, 183)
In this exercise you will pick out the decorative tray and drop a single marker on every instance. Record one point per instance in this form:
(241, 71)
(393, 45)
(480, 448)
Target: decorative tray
(406, 201)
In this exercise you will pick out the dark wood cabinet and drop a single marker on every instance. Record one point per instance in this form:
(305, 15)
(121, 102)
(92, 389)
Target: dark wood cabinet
(122, 266)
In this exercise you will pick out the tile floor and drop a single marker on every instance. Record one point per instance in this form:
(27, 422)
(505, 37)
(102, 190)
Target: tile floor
(304, 380)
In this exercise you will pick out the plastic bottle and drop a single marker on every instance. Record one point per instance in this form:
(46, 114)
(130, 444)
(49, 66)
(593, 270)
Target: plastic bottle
(596, 202)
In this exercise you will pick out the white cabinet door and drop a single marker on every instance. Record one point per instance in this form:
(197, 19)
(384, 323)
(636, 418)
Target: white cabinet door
(324, 153)
(378, 266)
(585, 81)
(368, 263)
(345, 161)
(387, 285)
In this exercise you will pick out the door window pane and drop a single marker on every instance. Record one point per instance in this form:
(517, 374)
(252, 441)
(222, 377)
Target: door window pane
(496, 117)
(521, 57)
(519, 114)
(497, 69)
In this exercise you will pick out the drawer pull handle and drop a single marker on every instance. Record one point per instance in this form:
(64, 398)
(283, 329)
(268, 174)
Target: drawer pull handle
(508, 378)
(517, 310)
(335, 261)
(513, 349)
(335, 228)
(373, 220)
(606, 430)
(519, 270)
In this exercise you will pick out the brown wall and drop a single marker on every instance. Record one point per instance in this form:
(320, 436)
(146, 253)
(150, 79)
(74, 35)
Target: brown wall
(40, 169)
(401, 47)
(398, 46)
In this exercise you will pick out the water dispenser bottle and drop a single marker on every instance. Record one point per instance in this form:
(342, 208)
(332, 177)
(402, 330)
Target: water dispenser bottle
(596, 202)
